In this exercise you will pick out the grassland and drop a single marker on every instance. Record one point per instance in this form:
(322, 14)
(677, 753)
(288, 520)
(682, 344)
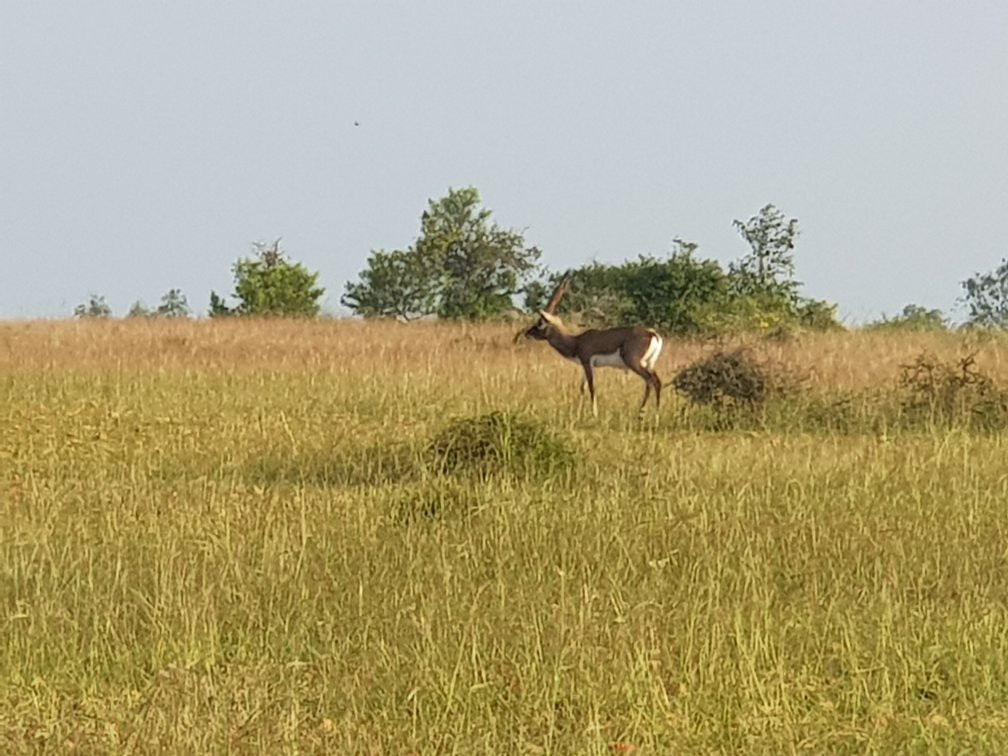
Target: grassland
(227, 537)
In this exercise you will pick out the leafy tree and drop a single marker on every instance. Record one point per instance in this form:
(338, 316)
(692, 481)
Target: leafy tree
(462, 266)
(676, 293)
(597, 294)
(270, 284)
(536, 295)
(685, 294)
(768, 271)
(95, 307)
(672, 293)
(765, 292)
(173, 305)
(219, 307)
(987, 298)
(395, 284)
(138, 310)
(481, 265)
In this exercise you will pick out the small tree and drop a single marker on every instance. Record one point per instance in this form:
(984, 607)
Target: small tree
(95, 307)
(462, 266)
(270, 284)
(987, 298)
(764, 291)
(768, 271)
(219, 307)
(139, 310)
(173, 305)
(481, 265)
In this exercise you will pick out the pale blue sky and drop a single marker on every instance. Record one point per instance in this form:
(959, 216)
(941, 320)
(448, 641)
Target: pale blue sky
(145, 145)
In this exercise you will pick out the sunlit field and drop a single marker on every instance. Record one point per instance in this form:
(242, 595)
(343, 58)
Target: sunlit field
(234, 536)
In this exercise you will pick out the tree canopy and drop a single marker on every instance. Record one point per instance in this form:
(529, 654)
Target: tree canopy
(687, 294)
(95, 307)
(986, 297)
(463, 265)
(268, 284)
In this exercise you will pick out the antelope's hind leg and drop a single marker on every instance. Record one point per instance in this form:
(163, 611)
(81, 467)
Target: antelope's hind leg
(589, 379)
(647, 393)
(651, 381)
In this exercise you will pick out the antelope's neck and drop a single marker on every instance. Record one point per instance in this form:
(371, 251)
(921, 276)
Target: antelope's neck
(563, 341)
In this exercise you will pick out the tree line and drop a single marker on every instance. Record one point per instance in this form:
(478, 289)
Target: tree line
(465, 266)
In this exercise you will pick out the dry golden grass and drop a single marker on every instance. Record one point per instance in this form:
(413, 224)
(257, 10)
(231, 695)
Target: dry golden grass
(836, 361)
(224, 536)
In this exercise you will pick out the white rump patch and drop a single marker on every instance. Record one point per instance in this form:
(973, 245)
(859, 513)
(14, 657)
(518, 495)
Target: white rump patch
(650, 357)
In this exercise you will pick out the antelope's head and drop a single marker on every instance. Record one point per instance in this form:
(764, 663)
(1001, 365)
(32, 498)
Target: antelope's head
(547, 320)
(542, 327)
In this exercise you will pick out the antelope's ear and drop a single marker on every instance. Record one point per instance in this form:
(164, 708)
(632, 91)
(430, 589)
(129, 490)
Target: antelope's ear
(549, 317)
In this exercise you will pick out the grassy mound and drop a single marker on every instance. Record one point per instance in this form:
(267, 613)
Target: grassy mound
(499, 443)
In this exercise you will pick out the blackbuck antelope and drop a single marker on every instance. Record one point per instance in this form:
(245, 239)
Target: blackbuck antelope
(635, 349)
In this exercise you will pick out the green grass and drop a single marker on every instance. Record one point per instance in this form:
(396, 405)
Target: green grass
(200, 553)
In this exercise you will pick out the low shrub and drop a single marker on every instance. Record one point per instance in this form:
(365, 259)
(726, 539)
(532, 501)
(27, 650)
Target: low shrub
(950, 394)
(735, 390)
(725, 377)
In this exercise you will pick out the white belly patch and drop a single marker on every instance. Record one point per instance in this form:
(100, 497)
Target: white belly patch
(608, 360)
(614, 359)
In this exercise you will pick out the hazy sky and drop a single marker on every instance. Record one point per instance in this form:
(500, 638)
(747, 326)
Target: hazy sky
(145, 145)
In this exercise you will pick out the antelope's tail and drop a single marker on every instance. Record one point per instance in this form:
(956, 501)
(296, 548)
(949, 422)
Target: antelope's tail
(650, 358)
